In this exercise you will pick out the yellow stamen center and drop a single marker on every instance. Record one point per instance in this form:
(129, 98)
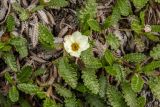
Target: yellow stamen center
(75, 46)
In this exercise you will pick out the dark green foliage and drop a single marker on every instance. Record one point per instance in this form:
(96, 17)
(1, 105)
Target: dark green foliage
(67, 72)
(20, 44)
(90, 80)
(45, 37)
(13, 94)
(25, 74)
(134, 57)
(94, 101)
(115, 97)
(10, 23)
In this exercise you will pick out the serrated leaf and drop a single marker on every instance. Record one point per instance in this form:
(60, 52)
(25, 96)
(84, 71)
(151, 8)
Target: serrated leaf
(10, 23)
(67, 72)
(139, 4)
(13, 94)
(9, 78)
(109, 57)
(103, 86)
(113, 41)
(20, 44)
(150, 67)
(129, 95)
(28, 88)
(155, 52)
(155, 28)
(94, 101)
(137, 83)
(71, 102)
(136, 26)
(39, 72)
(94, 25)
(49, 103)
(116, 15)
(57, 3)
(115, 97)
(89, 60)
(62, 91)
(10, 61)
(45, 37)
(154, 86)
(134, 57)
(25, 74)
(124, 7)
(141, 101)
(24, 103)
(90, 80)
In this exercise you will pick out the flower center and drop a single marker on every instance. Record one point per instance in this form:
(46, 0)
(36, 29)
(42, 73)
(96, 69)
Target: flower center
(75, 46)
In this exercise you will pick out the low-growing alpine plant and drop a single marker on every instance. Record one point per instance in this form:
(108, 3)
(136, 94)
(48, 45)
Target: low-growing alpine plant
(94, 67)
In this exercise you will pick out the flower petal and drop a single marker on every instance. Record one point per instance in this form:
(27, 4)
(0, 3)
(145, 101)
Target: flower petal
(84, 43)
(76, 54)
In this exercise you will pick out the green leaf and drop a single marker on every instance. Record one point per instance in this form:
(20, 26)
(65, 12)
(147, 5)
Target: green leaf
(10, 23)
(94, 25)
(67, 72)
(45, 37)
(141, 101)
(63, 91)
(129, 95)
(24, 103)
(57, 3)
(28, 88)
(71, 102)
(151, 66)
(10, 61)
(95, 101)
(49, 103)
(124, 7)
(113, 41)
(89, 60)
(154, 86)
(139, 4)
(25, 74)
(109, 57)
(90, 80)
(115, 97)
(134, 57)
(13, 94)
(103, 86)
(111, 70)
(116, 15)
(136, 26)
(1, 45)
(155, 52)
(20, 44)
(137, 83)
(9, 78)
(39, 72)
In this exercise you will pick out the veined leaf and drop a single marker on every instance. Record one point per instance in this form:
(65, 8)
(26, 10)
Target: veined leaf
(137, 83)
(57, 3)
(49, 103)
(10, 23)
(113, 41)
(13, 94)
(10, 61)
(134, 57)
(155, 28)
(45, 37)
(151, 66)
(139, 4)
(115, 97)
(89, 60)
(124, 7)
(155, 52)
(94, 25)
(63, 91)
(25, 74)
(28, 88)
(67, 72)
(109, 57)
(9, 78)
(90, 80)
(20, 44)
(103, 86)
(94, 101)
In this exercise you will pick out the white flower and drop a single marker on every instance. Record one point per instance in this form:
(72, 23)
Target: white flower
(147, 28)
(76, 43)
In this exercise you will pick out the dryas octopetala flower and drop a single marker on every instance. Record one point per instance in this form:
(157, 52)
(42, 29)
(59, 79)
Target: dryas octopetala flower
(76, 43)
(147, 28)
